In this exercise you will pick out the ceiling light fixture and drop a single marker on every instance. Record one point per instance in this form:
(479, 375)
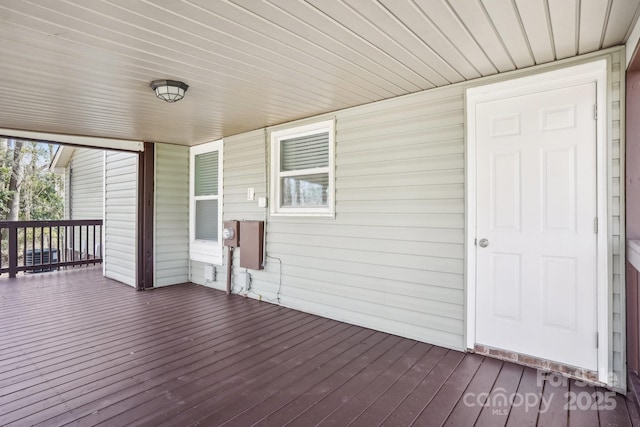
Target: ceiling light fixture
(169, 90)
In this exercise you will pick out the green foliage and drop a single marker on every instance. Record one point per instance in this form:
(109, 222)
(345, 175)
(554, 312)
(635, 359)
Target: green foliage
(41, 191)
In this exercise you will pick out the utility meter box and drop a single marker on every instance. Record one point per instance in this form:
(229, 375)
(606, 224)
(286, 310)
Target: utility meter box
(251, 244)
(231, 233)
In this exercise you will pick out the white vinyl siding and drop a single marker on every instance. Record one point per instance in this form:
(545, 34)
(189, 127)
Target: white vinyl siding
(244, 167)
(121, 195)
(246, 164)
(171, 257)
(87, 181)
(393, 257)
(67, 193)
(84, 198)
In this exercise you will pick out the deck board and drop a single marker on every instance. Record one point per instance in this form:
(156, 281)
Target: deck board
(431, 372)
(582, 397)
(467, 410)
(79, 349)
(496, 414)
(311, 408)
(130, 381)
(527, 411)
(410, 363)
(553, 406)
(294, 401)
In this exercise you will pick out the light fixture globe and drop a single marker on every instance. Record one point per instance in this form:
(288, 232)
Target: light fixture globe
(169, 90)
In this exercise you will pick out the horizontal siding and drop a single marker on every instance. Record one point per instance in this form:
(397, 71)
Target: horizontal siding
(171, 235)
(121, 197)
(67, 194)
(244, 167)
(393, 257)
(87, 183)
(244, 154)
(399, 178)
(84, 194)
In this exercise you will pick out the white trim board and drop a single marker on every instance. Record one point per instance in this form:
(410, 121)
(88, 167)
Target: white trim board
(631, 44)
(595, 71)
(86, 141)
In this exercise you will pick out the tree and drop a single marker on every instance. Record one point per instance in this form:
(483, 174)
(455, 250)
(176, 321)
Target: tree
(15, 182)
(28, 191)
(5, 174)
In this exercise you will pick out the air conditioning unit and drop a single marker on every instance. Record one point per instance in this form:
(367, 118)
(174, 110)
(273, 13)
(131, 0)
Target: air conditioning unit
(39, 259)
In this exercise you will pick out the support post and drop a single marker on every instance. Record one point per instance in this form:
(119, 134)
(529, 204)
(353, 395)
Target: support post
(229, 268)
(13, 250)
(146, 160)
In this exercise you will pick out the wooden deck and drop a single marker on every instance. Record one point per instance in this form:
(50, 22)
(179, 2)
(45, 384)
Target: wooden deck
(79, 349)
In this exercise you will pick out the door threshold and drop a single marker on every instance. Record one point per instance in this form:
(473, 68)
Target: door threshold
(588, 376)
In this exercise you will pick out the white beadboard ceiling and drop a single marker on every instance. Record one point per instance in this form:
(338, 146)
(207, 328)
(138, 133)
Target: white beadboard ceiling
(83, 67)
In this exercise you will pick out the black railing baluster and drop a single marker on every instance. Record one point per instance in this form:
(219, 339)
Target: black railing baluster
(58, 243)
(50, 248)
(80, 243)
(35, 240)
(41, 245)
(94, 243)
(33, 245)
(66, 245)
(26, 243)
(73, 243)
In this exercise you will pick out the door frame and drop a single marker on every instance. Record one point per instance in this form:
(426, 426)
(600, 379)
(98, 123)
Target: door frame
(597, 72)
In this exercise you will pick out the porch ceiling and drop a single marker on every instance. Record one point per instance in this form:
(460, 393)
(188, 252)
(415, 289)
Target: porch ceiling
(83, 67)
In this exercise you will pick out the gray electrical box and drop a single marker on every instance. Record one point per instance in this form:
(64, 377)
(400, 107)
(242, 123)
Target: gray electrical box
(251, 244)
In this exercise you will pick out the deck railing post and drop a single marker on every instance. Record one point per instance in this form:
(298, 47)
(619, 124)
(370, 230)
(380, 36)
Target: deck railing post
(13, 250)
(42, 251)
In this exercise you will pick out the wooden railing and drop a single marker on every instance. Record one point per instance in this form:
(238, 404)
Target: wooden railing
(35, 246)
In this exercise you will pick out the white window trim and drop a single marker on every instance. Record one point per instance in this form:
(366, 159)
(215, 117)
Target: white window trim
(294, 132)
(202, 250)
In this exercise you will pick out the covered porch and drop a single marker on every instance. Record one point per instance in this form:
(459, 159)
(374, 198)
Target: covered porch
(81, 349)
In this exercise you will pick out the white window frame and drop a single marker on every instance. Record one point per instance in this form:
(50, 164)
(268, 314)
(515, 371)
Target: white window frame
(276, 137)
(208, 251)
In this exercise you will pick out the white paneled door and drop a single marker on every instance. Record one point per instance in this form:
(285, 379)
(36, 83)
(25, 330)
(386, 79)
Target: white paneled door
(536, 225)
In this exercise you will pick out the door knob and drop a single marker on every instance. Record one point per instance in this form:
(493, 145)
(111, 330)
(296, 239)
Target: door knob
(483, 243)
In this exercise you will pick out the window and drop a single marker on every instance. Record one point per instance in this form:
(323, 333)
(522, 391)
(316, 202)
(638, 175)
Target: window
(205, 221)
(302, 176)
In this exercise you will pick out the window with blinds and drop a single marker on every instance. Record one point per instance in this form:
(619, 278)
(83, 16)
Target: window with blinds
(302, 175)
(206, 202)
(205, 180)
(304, 152)
(206, 174)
